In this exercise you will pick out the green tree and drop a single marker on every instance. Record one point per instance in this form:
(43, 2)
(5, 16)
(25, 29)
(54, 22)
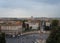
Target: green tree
(55, 23)
(2, 38)
(31, 28)
(27, 27)
(54, 36)
(23, 24)
(39, 26)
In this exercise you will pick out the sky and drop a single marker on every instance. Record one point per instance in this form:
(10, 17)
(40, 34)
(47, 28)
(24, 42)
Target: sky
(27, 8)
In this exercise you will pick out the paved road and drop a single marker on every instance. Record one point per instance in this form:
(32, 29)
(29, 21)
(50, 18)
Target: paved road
(26, 38)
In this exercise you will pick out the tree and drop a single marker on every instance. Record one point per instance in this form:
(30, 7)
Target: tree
(55, 23)
(39, 26)
(27, 27)
(2, 38)
(46, 28)
(54, 36)
(23, 24)
(31, 28)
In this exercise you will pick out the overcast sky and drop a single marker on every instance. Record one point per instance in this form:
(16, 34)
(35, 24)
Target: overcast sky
(27, 8)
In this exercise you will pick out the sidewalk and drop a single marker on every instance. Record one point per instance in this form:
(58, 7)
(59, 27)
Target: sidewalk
(40, 32)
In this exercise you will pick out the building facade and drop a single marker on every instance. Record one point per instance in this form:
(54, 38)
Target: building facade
(11, 29)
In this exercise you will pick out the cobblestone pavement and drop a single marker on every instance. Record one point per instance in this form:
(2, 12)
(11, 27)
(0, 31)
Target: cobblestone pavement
(31, 38)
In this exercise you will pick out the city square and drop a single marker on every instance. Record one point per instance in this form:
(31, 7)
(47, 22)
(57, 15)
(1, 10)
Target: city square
(31, 38)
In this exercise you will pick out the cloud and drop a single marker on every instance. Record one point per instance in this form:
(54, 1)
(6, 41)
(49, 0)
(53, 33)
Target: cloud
(26, 8)
(19, 12)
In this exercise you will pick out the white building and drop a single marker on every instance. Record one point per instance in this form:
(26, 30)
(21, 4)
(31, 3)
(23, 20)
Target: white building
(48, 23)
(33, 25)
